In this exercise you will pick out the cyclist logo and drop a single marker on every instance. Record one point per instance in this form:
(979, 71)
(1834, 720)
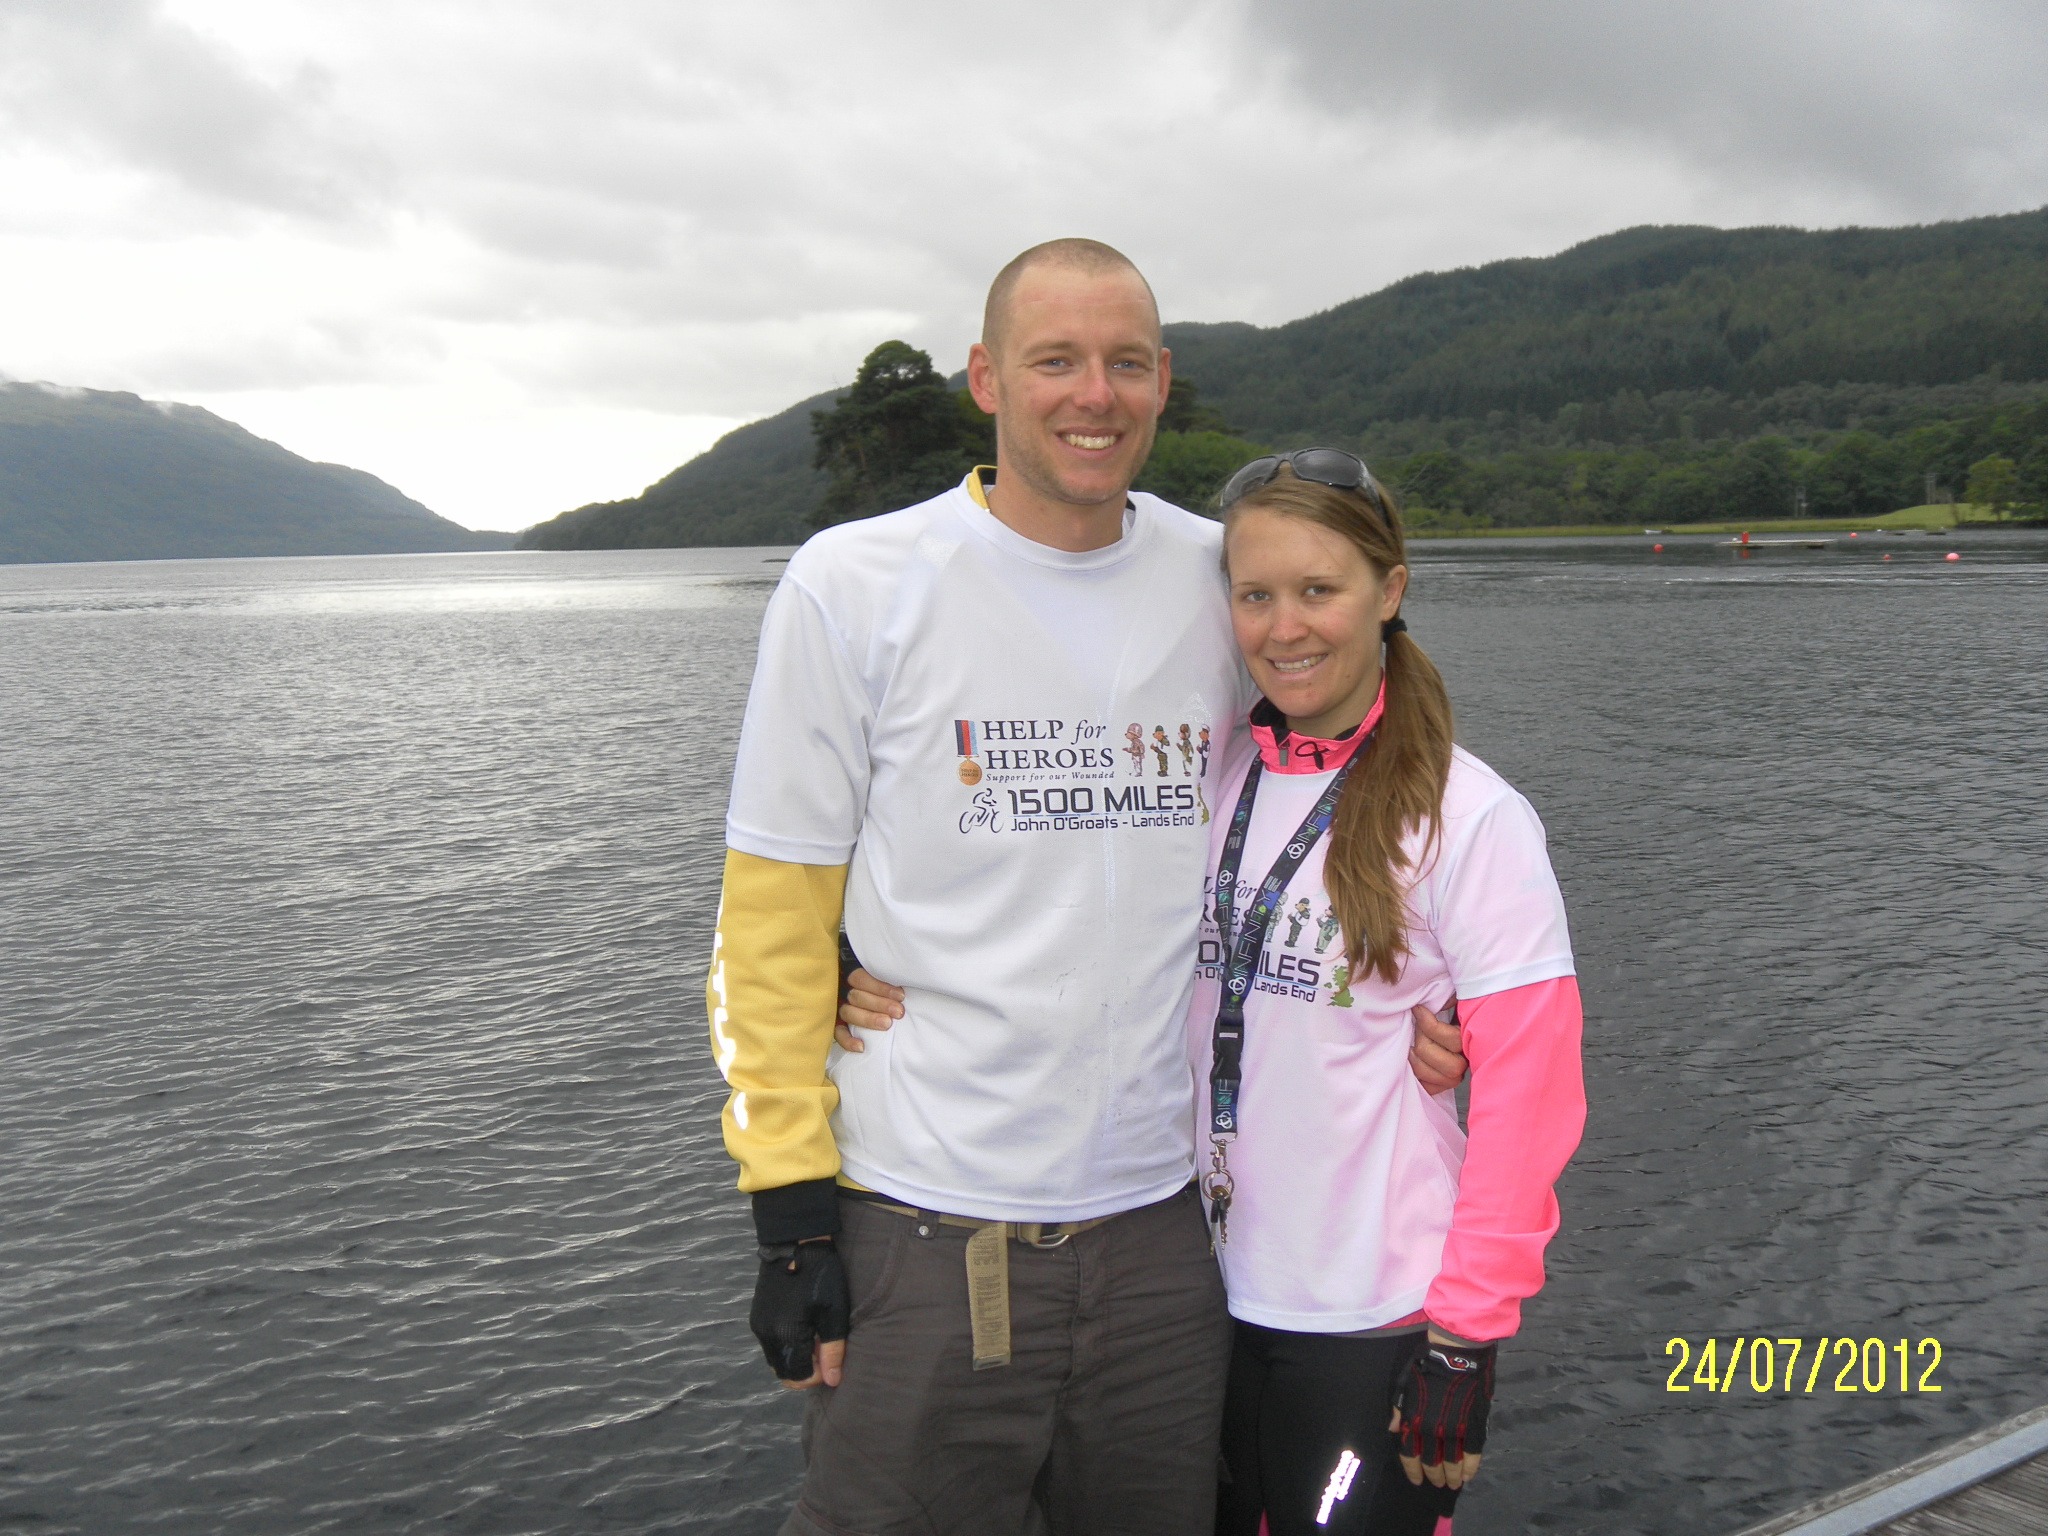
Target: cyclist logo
(983, 813)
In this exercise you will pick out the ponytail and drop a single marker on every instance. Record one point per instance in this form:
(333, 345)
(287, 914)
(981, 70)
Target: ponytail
(1397, 787)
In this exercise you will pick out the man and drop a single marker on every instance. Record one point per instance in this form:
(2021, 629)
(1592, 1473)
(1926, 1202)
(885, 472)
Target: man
(997, 1199)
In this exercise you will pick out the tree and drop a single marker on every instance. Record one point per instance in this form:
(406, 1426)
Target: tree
(1189, 468)
(897, 437)
(1756, 481)
(1993, 483)
(1185, 413)
(1855, 478)
(1683, 494)
(2033, 482)
(1435, 479)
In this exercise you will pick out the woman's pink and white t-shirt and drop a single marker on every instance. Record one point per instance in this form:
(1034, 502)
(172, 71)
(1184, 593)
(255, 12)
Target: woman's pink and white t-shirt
(1346, 1170)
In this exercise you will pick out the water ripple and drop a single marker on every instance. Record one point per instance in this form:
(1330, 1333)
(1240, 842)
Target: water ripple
(362, 1164)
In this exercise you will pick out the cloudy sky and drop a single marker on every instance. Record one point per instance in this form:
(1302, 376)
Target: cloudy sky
(515, 255)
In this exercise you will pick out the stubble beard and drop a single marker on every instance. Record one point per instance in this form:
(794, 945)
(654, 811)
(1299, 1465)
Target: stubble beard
(1031, 461)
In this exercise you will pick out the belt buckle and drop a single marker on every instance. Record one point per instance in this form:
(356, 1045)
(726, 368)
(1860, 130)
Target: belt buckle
(1041, 1241)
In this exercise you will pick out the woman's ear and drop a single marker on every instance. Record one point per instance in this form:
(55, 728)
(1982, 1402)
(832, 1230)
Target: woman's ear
(1392, 590)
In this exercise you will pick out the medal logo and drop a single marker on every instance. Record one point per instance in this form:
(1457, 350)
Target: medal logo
(963, 743)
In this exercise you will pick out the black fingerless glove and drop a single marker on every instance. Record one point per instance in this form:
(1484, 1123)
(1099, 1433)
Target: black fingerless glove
(849, 962)
(800, 1298)
(1443, 1399)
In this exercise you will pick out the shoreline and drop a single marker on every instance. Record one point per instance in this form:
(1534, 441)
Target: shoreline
(1938, 518)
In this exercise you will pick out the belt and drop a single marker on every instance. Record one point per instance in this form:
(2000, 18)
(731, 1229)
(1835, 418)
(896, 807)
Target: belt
(988, 1264)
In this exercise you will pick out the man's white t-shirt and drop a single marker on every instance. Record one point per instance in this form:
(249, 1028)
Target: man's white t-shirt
(1015, 749)
(1346, 1169)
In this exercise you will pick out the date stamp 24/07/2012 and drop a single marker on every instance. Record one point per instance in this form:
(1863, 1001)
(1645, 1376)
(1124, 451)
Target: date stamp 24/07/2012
(1866, 1365)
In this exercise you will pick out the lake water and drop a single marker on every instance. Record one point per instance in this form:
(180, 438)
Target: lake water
(359, 1166)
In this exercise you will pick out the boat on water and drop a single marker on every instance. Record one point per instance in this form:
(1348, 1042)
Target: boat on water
(1746, 542)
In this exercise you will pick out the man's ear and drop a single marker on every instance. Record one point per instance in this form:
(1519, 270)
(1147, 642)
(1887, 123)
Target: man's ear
(1165, 379)
(981, 377)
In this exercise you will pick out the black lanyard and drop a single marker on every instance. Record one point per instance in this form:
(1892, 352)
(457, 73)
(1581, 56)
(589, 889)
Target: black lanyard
(1226, 1068)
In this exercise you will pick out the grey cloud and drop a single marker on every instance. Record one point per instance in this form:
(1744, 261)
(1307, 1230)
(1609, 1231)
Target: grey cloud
(327, 356)
(120, 80)
(719, 209)
(714, 163)
(1933, 107)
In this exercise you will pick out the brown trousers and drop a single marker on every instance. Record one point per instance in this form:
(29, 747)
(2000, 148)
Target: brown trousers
(1104, 1423)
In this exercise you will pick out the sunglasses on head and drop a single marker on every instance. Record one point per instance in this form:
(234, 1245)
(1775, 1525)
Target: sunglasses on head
(1333, 467)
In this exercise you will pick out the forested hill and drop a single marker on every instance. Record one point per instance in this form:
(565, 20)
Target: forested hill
(97, 475)
(755, 485)
(1657, 373)
(1743, 312)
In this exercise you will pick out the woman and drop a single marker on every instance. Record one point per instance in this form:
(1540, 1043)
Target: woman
(1374, 1257)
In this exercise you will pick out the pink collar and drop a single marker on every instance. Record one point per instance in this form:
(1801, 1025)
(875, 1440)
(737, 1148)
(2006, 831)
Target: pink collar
(1284, 751)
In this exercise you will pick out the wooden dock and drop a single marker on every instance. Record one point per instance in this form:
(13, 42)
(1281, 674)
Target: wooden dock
(1992, 1483)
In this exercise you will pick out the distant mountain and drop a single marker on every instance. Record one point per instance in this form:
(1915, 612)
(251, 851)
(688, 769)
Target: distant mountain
(1616, 380)
(755, 485)
(95, 475)
(1744, 312)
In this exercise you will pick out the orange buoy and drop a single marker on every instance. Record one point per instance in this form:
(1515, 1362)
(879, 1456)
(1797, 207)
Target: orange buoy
(1656, 549)
(1887, 557)
(1953, 555)
(1852, 533)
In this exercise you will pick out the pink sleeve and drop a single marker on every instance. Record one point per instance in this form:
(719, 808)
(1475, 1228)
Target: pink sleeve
(1527, 1109)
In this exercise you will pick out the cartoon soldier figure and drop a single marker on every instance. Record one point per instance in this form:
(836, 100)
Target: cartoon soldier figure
(1202, 746)
(1136, 737)
(1326, 930)
(1187, 752)
(1295, 919)
(1159, 745)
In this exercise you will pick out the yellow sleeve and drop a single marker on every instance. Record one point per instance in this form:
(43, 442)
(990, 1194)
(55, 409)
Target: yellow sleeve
(773, 994)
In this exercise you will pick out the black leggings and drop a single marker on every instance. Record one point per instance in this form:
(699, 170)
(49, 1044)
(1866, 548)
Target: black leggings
(1297, 1403)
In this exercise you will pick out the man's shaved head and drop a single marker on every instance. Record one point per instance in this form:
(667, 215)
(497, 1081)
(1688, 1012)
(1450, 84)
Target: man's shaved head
(1091, 257)
(1071, 367)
